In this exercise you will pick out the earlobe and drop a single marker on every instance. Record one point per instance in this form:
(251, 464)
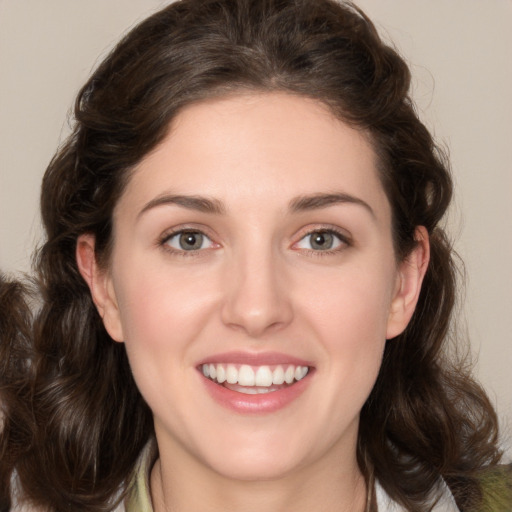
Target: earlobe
(410, 278)
(100, 285)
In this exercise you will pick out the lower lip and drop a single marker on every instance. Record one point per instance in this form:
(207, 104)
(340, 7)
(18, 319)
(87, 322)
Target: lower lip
(256, 404)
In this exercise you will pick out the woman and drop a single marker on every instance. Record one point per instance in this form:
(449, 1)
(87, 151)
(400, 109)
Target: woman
(245, 286)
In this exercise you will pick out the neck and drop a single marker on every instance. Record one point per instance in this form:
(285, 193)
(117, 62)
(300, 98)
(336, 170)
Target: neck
(313, 488)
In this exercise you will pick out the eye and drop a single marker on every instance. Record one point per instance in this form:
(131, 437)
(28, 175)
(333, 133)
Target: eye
(321, 240)
(188, 240)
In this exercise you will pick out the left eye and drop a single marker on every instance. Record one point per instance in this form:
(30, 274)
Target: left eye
(322, 240)
(189, 241)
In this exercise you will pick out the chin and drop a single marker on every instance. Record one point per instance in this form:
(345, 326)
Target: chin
(267, 457)
(259, 469)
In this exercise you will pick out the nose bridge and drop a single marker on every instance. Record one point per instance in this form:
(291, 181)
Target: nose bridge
(256, 298)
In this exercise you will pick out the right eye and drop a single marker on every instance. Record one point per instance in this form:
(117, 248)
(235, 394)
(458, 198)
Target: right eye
(323, 241)
(188, 240)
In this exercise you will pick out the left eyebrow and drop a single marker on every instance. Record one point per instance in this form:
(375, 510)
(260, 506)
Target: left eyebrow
(199, 203)
(318, 201)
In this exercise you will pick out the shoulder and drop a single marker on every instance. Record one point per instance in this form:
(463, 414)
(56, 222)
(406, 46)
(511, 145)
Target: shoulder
(139, 497)
(445, 503)
(496, 488)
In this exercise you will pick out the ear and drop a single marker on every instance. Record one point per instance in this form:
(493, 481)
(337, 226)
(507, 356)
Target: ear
(410, 277)
(100, 284)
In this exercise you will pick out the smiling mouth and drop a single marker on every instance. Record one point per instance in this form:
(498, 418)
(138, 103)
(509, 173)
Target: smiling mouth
(254, 380)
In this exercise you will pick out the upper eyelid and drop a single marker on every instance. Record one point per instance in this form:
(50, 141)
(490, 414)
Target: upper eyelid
(172, 234)
(163, 242)
(345, 241)
(342, 239)
(184, 228)
(185, 231)
(343, 234)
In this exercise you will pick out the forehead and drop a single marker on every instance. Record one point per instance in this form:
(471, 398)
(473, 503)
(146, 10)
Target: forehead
(258, 147)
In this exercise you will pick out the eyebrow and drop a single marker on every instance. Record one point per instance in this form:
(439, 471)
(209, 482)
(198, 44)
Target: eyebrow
(318, 201)
(199, 203)
(214, 206)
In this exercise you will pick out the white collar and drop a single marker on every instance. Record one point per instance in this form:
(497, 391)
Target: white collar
(385, 504)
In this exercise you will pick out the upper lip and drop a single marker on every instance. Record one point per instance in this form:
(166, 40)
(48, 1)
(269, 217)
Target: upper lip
(254, 359)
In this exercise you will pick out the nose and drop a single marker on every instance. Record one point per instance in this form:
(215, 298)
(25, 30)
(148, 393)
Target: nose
(257, 299)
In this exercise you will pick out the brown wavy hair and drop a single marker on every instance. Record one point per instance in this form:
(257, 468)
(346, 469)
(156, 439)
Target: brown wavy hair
(426, 419)
(15, 392)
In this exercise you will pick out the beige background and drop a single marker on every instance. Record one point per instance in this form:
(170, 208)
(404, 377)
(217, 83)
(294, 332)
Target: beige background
(460, 55)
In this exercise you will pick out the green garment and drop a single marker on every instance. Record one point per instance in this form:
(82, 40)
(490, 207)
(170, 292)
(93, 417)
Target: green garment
(496, 489)
(139, 499)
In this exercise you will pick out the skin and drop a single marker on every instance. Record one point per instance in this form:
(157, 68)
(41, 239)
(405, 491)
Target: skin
(256, 285)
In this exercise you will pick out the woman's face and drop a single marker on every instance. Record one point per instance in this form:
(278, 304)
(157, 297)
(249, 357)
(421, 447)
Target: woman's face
(254, 245)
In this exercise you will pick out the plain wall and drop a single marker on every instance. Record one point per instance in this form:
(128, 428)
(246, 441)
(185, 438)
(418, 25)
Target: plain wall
(459, 53)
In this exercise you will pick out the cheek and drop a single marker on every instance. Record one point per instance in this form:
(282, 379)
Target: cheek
(160, 316)
(351, 303)
(164, 312)
(160, 305)
(353, 331)
(349, 315)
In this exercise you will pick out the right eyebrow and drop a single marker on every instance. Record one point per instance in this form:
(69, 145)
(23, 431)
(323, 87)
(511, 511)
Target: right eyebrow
(320, 200)
(199, 203)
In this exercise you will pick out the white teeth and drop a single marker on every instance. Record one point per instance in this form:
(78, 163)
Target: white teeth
(260, 377)
(263, 376)
(278, 376)
(289, 374)
(246, 376)
(231, 374)
(300, 372)
(253, 390)
(221, 374)
(249, 390)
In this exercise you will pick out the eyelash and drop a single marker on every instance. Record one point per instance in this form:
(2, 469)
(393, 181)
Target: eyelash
(163, 242)
(344, 240)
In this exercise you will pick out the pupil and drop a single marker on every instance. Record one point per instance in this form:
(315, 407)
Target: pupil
(321, 241)
(191, 241)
